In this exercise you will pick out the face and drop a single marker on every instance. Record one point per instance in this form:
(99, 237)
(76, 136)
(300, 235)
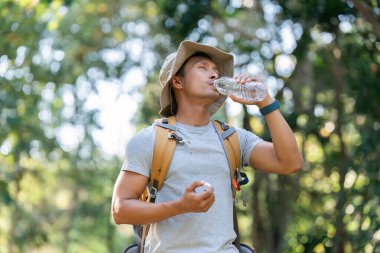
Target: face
(197, 81)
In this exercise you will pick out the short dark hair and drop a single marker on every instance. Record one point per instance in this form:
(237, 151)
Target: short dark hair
(181, 71)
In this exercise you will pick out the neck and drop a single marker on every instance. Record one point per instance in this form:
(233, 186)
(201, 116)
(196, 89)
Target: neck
(194, 116)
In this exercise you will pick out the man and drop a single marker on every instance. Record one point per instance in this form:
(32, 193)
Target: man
(184, 219)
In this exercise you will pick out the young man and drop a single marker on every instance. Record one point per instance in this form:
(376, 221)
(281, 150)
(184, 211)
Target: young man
(183, 218)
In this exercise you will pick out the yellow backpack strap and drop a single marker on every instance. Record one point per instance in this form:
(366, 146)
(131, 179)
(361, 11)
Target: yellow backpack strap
(230, 140)
(164, 147)
(229, 137)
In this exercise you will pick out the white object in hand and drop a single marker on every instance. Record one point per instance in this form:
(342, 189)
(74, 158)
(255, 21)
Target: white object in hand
(207, 186)
(253, 91)
(204, 187)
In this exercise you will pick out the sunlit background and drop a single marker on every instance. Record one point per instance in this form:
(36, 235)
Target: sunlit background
(79, 78)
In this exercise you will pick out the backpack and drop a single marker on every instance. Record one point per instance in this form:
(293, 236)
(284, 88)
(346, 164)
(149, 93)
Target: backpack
(165, 144)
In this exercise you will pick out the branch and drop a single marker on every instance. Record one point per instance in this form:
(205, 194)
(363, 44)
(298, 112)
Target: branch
(368, 15)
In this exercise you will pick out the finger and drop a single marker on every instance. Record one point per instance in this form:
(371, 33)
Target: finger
(211, 203)
(245, 78)
(208, 204)
(240, 78)
(208, 194)
(236, 99)
(208, 186)
(252, 79)
(191, 187)
(255, 79)
(233, 97)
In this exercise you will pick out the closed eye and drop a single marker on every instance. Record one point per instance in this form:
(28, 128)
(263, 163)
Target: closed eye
(206, 66)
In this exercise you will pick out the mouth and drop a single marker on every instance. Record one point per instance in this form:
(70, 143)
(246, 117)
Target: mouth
(211, 82)
(212, 85)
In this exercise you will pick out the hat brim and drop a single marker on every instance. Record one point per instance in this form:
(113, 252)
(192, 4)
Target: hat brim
(223, 60)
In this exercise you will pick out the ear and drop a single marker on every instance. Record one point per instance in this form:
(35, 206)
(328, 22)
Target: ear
(177, 82)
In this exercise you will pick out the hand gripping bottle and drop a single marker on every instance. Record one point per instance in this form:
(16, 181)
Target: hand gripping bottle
(253, 91)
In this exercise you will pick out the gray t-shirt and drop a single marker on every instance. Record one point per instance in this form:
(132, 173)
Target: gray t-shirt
(201, 158)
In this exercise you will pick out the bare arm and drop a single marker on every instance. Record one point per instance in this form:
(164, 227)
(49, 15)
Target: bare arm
(128, 209)
(282, 155)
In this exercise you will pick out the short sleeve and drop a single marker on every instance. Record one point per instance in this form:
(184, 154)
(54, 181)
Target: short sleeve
(139, 152)
(248, 142)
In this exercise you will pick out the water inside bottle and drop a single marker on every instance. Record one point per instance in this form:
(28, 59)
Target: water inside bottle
(254, 91)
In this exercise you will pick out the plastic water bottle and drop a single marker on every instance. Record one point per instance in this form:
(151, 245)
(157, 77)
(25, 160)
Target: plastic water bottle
(254, 91)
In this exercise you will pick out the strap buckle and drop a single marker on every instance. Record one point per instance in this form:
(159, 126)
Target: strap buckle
(241, 179)
(177, 138)
(153, 192)
(223, 125)
(165, 120)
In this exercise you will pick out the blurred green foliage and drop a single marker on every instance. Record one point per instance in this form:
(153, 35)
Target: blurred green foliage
(319, 58)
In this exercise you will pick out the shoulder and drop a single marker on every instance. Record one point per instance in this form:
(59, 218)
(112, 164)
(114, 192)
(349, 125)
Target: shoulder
(242, 131)
(144, 137)
(139, 152)
(246, 136)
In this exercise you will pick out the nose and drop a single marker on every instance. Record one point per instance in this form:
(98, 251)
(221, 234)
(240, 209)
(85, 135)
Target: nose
(214, 75)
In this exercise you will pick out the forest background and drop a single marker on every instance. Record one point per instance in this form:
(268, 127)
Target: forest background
(79, 78)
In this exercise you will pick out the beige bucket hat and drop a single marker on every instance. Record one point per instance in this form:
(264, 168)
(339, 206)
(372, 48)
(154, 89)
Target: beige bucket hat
(224, 61)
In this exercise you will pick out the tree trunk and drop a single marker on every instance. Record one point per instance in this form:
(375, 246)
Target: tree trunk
(257, 235)
(258, 230)
(18, 174)
(268, 239)
(14, 215)
(110, 237)
(339, 82)
(71, 217)
(282, 213)
(368, 15)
